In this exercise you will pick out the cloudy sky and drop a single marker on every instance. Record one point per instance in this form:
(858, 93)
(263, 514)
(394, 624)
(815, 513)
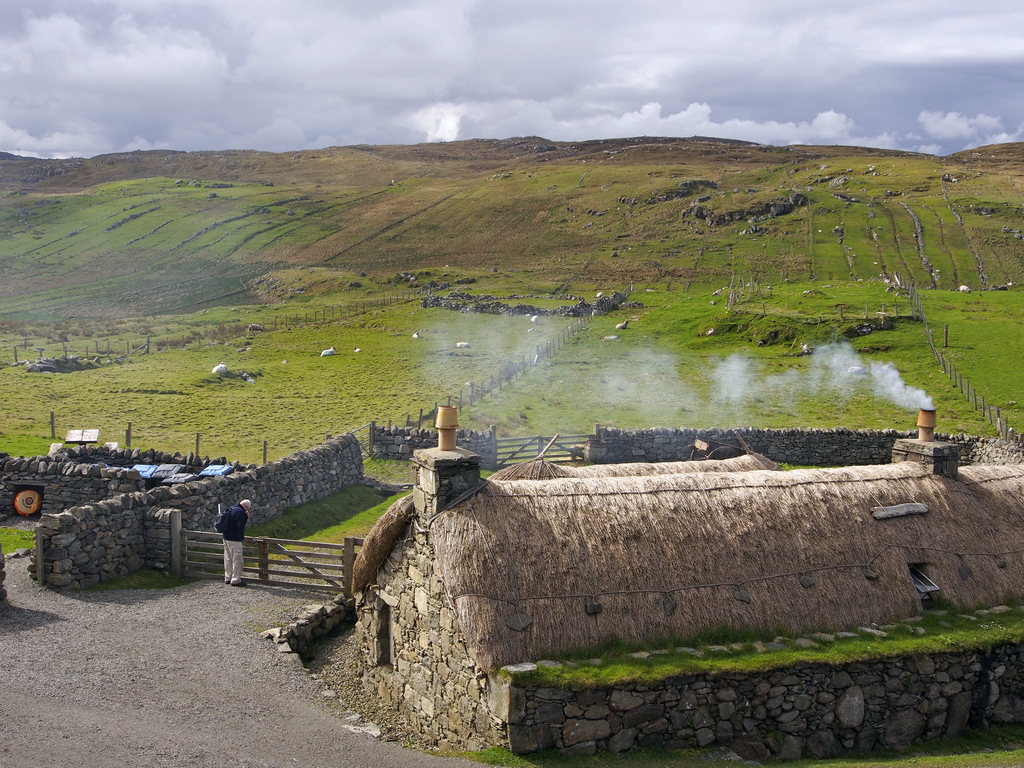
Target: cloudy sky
(86, 77)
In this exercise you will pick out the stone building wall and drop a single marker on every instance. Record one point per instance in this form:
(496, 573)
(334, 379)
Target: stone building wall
(89, 543)
(432, 677)
(810, 710)
(414, 657)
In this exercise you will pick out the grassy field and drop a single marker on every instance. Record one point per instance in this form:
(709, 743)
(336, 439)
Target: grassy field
(686, 359)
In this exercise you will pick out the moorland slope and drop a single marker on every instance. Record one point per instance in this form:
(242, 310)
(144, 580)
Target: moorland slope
(161, 231)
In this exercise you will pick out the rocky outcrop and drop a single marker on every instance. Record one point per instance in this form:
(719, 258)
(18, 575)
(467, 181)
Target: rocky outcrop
(460, 301)
(768, 210)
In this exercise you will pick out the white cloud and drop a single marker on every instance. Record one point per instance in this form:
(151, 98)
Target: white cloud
(953, 125)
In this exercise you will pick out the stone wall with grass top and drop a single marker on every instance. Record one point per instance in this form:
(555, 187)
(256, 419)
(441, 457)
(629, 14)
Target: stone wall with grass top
(91, 542)
(809, 710)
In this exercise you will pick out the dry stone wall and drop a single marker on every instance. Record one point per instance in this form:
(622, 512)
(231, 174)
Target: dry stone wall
(810, 447)
(811, 710)
(394, 442)
(63, 483)
(805, 447)
(89, 543)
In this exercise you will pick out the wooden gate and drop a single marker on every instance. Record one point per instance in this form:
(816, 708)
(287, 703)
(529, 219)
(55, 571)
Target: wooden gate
(286, 562)
(512, 450)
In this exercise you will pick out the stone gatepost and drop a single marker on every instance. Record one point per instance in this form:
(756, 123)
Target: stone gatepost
(441, 478)
(942, 458)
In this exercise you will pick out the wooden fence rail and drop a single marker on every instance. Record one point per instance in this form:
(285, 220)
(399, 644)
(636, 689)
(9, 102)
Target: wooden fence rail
(282, 562)
(510, 450)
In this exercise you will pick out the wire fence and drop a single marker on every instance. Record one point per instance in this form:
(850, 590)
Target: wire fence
(969, 390)
(258, 322)
(506, 373)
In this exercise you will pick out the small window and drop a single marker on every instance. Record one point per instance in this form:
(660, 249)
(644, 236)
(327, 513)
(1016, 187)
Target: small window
(924, 586)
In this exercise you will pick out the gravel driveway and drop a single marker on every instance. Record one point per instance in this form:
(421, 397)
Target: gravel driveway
(177, 677)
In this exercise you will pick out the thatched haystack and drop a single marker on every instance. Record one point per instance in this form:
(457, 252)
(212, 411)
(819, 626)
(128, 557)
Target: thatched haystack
(535, 469)
(379, 541)
(587, 559)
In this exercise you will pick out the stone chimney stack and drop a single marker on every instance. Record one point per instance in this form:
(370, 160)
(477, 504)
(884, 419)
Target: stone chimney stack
(943, 458)
(441, 477)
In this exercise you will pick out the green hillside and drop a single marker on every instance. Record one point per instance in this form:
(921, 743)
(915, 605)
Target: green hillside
(158, 232)
(740, 258)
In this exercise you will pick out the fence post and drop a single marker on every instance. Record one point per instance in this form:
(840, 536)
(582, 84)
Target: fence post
(945, 335)
(263, 559)
(40, 562)
(176, 560)
(128, 436)
(197, 445)
(264, 451)
(53, 427)
(348, 563)
(369, 441)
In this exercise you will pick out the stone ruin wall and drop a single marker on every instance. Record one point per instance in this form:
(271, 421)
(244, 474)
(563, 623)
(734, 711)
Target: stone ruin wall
(92, 542)
(810, 710)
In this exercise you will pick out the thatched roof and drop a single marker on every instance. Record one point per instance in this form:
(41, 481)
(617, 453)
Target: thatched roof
(539, 469)
(671, 555)
(379, 541)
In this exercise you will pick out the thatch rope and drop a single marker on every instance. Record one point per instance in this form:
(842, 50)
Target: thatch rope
(743, 544)
(379, 541)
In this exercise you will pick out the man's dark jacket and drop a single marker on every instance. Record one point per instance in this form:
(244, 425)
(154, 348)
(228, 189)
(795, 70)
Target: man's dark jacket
(235, 520)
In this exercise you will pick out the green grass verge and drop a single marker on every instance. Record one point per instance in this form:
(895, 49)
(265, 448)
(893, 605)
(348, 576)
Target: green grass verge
(14, 538)
(144, 579)
(351, 511)
(944, 631)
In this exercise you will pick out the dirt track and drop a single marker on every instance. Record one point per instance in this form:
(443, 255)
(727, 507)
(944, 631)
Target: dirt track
(174, 677)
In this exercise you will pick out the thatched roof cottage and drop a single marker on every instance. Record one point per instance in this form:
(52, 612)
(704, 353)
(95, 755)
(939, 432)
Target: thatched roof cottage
(464, 577)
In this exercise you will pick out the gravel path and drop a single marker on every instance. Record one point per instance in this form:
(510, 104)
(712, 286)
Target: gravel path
(177, 677)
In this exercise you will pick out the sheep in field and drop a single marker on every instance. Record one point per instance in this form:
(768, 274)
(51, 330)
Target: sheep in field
(462, 345)
(220, 369)
(622, 326)
(535, 318)
(417, 335)
(328, 352)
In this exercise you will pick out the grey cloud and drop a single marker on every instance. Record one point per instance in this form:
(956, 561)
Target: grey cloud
(89, 76)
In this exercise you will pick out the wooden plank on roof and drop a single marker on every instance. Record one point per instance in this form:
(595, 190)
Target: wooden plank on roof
(898, 510)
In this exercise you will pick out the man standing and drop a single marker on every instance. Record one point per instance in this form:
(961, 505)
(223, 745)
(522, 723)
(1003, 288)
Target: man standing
(232, 525)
